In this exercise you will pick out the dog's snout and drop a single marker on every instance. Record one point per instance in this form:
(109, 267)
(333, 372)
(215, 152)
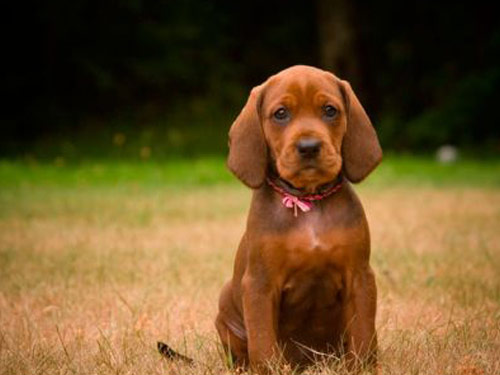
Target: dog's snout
(308, 147)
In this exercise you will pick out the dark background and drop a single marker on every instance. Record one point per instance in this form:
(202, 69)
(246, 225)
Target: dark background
(139, 78)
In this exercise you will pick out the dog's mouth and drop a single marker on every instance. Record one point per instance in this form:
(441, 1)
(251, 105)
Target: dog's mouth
(307, 163)
(309, 171)
(308, 176)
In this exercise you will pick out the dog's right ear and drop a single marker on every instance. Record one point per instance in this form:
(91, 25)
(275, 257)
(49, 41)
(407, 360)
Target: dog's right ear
(247, 146)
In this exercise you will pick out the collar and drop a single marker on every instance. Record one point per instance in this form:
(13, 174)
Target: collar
(293, 197)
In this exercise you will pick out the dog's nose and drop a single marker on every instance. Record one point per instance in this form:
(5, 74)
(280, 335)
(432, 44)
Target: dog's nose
(308, 147)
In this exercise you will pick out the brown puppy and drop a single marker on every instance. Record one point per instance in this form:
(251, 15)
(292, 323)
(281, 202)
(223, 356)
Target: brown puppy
(302, 283)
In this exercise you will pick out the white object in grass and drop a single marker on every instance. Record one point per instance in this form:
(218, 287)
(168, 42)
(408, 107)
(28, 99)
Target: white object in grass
(447, 154)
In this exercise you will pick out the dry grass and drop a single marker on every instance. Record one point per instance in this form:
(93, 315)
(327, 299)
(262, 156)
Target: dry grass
(91, 278)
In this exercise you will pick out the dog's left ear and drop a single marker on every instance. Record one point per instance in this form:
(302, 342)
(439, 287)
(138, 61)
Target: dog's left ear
(361, 151)
(247, 147)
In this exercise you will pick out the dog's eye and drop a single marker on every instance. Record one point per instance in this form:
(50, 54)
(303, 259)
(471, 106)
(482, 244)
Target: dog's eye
(329, 112)
(281, 115)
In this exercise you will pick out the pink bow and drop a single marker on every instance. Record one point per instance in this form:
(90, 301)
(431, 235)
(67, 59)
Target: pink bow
(290, 201)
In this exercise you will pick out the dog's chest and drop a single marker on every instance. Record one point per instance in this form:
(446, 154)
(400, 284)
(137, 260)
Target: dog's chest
(312, 281)
(315, 240)
(310, 242)
(313, 255)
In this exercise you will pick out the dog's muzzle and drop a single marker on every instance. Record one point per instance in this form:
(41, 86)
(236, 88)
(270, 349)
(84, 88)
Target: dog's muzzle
(308, 148)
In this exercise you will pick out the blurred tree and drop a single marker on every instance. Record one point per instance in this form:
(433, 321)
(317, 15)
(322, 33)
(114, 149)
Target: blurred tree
(337, 38)
(428, 72)
(430, 69)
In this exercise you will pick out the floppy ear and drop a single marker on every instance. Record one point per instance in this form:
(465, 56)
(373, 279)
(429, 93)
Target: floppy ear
(247, 147)
(361, 151)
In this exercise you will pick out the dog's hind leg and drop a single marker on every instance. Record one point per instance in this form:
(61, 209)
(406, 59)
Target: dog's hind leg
(235, 349)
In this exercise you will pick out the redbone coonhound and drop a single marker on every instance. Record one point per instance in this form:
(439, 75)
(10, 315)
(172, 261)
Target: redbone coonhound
(302, 283)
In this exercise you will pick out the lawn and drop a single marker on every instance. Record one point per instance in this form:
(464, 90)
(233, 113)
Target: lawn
(100, 259)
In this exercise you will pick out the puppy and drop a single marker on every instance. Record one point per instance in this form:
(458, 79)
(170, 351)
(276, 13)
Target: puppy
(302, 285)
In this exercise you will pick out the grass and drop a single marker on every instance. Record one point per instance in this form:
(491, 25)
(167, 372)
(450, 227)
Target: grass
(195, 172)
(100, 259)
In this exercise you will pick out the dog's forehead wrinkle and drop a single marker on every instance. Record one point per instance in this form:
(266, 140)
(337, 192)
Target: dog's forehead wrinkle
(304, 90)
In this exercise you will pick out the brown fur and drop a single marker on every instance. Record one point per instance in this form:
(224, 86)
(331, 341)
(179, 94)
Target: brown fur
(301, 285)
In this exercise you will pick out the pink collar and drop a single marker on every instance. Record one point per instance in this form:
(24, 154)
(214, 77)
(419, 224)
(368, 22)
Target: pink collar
(304, 202)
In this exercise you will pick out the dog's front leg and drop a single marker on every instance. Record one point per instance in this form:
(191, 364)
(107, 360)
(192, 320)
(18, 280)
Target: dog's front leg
(359, 318)
(260, 311)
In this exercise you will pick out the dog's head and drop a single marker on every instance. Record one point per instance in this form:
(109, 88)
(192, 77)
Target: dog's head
(309, 125)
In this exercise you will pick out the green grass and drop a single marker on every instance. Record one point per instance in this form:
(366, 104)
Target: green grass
(395, 170)
(191, 172)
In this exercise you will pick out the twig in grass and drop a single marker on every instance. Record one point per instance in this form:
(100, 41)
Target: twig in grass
(63, 345)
